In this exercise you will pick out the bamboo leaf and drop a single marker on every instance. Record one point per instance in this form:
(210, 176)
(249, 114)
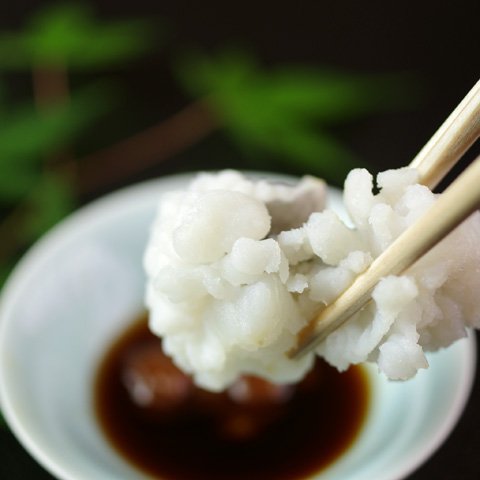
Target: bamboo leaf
(286, 112)
(315, 152)
(28, 136)
(68, 35)
(15, 181)
(28, 132)
(14, 52)
(330, 97)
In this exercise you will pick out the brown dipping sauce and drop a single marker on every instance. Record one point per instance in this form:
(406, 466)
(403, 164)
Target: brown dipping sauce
(159, 421)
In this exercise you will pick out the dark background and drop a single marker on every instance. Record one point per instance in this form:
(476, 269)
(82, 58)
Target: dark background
(437, 42)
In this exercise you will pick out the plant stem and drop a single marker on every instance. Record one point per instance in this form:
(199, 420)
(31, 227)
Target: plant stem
(154, 145)
(50, 86)
(118, 162)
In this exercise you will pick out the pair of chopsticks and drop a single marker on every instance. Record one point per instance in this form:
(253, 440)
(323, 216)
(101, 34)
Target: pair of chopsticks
(460, 199)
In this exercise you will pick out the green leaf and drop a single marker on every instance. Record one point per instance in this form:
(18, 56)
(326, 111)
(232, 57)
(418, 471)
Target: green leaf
(326, 96)
(230, 70)
(50, 201)
(286, 112)
(67, 35)
(14, 52)
(315, 152)
(28, 136)
(318, 154)
(29, 132)
(16, 180)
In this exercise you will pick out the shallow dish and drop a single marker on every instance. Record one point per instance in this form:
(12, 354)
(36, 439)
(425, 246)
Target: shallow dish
(81, 285)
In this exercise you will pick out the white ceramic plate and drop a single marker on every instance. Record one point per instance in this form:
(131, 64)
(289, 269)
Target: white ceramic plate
(79, 287)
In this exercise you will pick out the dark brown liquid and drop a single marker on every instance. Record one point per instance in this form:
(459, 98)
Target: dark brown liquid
(255, 430)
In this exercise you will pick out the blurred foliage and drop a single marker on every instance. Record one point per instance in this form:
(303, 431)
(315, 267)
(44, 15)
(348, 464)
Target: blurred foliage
(36, 189)
(58, 36)
(287, 112)
(284, 114)
(28, 137)
(68, 35)
(35, 192)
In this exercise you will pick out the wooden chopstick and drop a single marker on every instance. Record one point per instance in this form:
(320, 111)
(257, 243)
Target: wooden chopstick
(460, 199)
(456, 135)
(433, 162)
